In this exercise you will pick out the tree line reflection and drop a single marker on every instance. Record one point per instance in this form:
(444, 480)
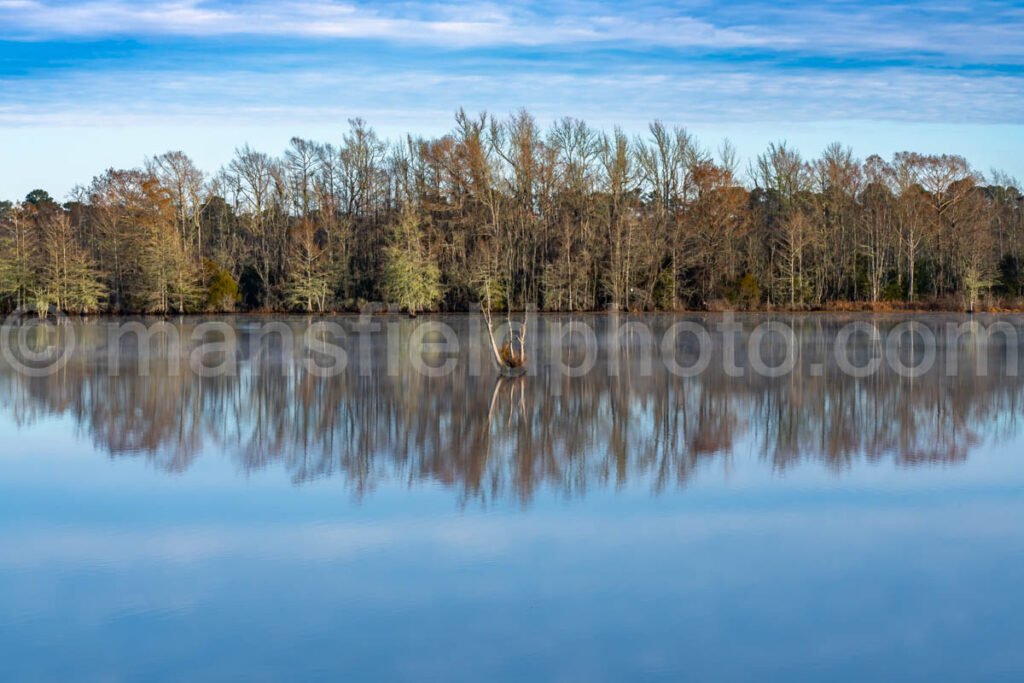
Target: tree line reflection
(487, 437)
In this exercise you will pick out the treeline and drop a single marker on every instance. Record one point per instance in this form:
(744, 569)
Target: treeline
(569, 218)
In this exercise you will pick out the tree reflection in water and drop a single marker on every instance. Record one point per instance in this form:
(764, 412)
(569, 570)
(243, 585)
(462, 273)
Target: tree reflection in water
(487, 437)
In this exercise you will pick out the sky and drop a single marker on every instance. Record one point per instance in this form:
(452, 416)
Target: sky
(87, 85)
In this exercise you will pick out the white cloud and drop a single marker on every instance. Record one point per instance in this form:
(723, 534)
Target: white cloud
(835, 28)
(689, 93)
(442, 26)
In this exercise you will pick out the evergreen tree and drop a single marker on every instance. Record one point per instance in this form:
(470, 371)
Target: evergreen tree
(412, 279)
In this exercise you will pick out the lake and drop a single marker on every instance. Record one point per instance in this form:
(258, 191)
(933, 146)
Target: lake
(235, 511)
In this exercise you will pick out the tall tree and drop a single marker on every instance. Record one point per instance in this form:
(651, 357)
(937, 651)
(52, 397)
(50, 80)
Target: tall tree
(310, 272)
(412, 279)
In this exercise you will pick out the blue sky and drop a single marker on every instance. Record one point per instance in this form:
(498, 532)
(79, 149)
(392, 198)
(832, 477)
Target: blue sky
(85, 85)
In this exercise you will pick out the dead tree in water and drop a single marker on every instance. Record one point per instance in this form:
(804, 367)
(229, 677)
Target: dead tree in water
(510, 357)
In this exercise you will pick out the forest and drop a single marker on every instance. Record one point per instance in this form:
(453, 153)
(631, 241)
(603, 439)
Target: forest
(567, 218)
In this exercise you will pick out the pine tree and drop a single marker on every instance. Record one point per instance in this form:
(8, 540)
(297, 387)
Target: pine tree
(17, 245)
(412, 278)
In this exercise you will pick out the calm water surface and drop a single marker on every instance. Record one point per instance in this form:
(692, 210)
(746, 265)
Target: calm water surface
(383, 525)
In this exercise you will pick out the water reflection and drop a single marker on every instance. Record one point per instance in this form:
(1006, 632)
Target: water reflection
(486, 437)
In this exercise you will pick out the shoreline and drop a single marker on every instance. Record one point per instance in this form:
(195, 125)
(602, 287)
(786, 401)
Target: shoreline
(836, 310)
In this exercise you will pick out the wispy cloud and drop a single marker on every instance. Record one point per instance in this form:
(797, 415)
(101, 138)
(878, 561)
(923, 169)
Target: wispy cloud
(628, 95)
(441, 25)
(982, 30)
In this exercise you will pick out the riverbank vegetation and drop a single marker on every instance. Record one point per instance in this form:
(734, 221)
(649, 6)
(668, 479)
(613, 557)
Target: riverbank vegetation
(568, 218)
